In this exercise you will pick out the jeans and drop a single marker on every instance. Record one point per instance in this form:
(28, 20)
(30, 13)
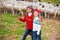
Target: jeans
(35, 36)
(26, 33)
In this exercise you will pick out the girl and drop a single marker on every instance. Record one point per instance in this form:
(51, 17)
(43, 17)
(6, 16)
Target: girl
(28, 18)
(36, 25)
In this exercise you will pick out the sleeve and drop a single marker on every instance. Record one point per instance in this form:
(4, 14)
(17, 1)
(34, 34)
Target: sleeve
(38, 29)
(23, 19)
(40, 19)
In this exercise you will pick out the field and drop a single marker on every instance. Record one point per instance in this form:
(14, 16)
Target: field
(52, 1)
(11, 28)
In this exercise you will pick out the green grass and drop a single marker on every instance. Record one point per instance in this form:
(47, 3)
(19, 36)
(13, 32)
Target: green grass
(52, 1)
(8, 22)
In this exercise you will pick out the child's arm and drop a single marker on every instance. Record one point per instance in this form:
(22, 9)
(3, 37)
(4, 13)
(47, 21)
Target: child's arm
(38, 29)
(23, 19)
(40, 18)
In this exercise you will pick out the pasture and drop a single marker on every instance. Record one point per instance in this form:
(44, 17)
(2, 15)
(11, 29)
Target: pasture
(9, 23)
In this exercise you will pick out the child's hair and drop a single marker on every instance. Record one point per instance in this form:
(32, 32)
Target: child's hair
(26, 13)
(31, 7)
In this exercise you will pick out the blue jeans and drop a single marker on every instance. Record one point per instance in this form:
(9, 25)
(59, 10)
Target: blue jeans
(35, 36)
(26, 33)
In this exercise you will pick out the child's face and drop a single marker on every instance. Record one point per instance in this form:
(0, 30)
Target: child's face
(29, 10)
(35, 13)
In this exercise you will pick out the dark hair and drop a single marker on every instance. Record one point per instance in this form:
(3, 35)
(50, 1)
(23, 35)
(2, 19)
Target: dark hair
(30, 6)
(26, 13)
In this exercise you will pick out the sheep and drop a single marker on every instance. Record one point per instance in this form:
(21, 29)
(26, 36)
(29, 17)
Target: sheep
(18, 7)
(8, 6)
(47, 8)
(1, 6)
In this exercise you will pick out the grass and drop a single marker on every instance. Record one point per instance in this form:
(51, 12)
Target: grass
(52, 1)
(8, 22)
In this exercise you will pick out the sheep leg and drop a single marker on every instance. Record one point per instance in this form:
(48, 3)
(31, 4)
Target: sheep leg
(0, 10)
(48, 15)
(55, 14)
(45, 14)
(12, 11)
(21, 12)
(5, 11)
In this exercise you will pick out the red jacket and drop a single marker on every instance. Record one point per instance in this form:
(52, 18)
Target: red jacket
(29, 21)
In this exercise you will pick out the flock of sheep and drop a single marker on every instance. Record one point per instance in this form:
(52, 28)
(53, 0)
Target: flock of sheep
(46, 8)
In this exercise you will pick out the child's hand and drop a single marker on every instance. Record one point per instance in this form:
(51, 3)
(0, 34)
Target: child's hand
(19, 17)
(40, 19)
